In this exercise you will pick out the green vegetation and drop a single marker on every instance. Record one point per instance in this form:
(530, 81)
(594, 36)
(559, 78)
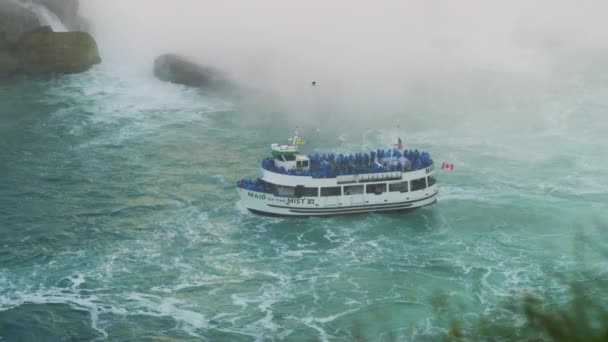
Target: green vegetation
(578, 314)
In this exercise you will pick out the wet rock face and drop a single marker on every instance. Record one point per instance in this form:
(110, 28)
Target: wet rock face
(177, 69)
(28, 48)
(8, 63)
(44, 51)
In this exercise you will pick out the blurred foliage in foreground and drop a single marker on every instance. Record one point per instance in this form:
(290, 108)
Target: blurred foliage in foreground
(579, 313)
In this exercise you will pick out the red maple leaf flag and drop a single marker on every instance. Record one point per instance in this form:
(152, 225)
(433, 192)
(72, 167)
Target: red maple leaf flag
(447, 166)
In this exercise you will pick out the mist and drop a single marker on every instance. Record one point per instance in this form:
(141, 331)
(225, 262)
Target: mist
(379, 59)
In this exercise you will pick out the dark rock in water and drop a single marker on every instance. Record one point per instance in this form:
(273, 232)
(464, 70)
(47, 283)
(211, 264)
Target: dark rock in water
(9, 40)
(43, 51)
(8, 63)
(177, 69)
(15, 18)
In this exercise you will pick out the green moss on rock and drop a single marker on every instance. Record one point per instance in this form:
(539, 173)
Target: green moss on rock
(9, 39)
(43, 51)
(8, 63)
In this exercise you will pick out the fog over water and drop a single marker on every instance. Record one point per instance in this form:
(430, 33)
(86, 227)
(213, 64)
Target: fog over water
(280, 42)
(386, 58)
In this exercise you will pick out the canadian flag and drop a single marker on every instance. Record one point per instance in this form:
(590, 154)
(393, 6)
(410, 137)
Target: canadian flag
(447, 166)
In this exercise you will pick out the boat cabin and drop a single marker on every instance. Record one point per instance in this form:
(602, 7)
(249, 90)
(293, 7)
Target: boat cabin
(287, 157)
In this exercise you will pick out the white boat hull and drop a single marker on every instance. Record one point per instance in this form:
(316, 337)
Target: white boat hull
(268, 204)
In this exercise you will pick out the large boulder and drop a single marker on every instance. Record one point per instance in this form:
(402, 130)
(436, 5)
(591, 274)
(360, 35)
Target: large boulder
(8, 63)
(177, 69)
(44, 51)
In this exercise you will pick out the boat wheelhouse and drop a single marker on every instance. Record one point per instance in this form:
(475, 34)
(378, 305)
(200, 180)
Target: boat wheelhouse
(294, 184)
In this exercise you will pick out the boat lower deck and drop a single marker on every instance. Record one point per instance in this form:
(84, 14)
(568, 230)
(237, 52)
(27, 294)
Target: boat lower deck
(267, 204)
(341, 213)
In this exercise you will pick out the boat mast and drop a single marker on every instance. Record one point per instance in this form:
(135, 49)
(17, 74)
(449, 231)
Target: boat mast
(294, 141)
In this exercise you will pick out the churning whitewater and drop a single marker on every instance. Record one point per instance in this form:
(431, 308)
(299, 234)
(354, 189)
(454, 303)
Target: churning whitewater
(121, 219)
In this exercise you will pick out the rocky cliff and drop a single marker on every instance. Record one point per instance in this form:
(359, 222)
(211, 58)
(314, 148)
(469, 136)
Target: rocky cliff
(44, 51)
(26, 47)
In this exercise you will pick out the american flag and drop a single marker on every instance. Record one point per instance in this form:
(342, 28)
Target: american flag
(399, 144)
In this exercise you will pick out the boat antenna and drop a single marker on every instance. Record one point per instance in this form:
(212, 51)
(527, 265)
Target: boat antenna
(296, 133)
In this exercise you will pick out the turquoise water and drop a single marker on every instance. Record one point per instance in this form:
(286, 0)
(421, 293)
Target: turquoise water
(120, 221)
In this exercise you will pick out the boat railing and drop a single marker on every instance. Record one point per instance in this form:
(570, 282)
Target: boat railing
(257, 186)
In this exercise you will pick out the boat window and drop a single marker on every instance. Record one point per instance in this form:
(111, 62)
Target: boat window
(353, 189)
(311, 192)
(375, 188)
(289, 157)
(331, 191)
(398, 187)
(380, 177)
(431, 180)
(305, 163)
(419, 184)
(285, 191)
(299, 164)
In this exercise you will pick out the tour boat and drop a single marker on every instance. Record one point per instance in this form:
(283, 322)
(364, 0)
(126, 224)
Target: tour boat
(295, 184)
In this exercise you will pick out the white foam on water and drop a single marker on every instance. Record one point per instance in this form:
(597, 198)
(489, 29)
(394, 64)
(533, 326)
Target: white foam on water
(90, 304)
(240, 208)
(298, 253)
(130, 102)
(317, 323)
(201, 280)
(168, 307)
(77, 280)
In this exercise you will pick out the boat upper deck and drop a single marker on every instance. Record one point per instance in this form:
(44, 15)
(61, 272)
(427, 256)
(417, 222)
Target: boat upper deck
(333, 165)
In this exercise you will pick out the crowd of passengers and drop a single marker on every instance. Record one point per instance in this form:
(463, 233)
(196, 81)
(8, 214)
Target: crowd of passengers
(258, 186)
(332, 165)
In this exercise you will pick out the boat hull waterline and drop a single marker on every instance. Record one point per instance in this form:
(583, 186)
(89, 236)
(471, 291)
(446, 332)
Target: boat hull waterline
(268, 204)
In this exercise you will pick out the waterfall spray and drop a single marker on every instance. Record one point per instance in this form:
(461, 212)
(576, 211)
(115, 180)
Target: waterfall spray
(44, 15)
